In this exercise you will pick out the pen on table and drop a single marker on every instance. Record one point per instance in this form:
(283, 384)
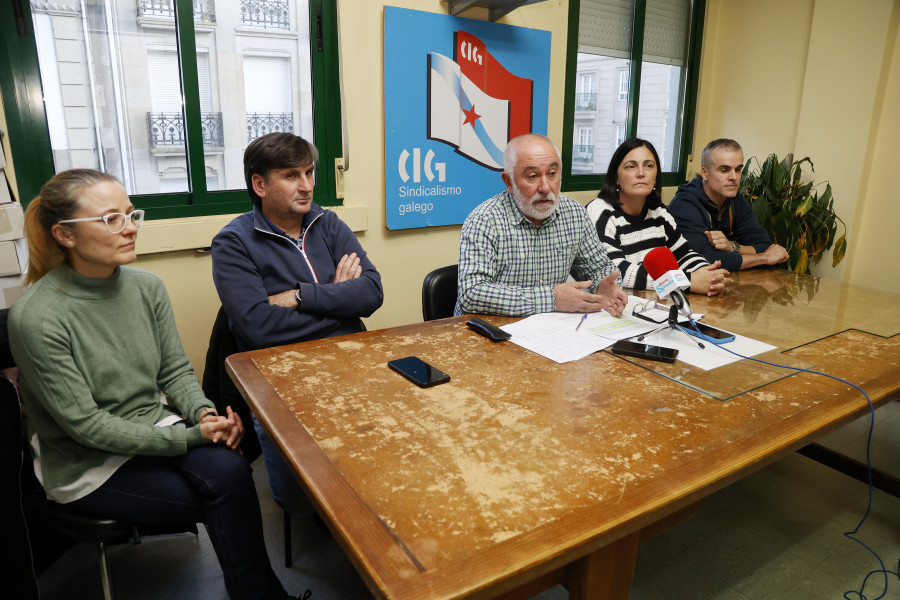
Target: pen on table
(583, 317)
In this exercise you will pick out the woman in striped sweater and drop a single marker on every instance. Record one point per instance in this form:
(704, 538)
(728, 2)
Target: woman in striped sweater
(631, 220)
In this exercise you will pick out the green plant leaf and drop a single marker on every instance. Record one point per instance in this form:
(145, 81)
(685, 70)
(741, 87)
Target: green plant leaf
(806, 159)
(793, 257)
(840, 248)
(746, 177)
(802, 265)
(826, 199)
(792, 210)
(765, 174)
(821, 242)
(804, 207)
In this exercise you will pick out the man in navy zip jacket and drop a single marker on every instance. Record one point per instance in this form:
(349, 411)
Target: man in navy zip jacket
(289, 271)
(716, 219)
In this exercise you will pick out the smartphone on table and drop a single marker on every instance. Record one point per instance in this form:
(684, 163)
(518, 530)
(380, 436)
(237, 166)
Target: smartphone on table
(638, 350)
(710, 333)
(418, 371)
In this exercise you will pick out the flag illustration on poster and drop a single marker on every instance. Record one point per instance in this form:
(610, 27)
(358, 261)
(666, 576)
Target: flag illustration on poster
(474, 103)
(456, 91)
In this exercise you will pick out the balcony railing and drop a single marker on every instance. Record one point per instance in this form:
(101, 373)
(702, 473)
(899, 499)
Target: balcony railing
(269, 14)
(582, 153)
(586, 101)
(259, 124)
(204, 10)
(167, 129)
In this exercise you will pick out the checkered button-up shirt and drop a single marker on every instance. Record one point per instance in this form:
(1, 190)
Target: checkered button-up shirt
(509, 266)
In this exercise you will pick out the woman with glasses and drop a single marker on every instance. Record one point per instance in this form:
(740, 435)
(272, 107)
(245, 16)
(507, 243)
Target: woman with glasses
(95, 343)
(631, 220)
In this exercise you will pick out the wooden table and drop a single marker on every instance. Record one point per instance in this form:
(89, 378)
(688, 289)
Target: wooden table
(521, 473)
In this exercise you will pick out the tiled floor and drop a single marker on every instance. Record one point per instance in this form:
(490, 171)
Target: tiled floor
(775, 535)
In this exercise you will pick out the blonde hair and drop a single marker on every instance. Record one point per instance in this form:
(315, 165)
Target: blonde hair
(59, 200)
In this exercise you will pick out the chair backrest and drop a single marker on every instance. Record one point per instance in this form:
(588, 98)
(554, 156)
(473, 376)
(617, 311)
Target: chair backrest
(219, 388)
(439, 293)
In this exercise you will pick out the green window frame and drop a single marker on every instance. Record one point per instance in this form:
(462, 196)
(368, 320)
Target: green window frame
(28, 131)
(594, 181)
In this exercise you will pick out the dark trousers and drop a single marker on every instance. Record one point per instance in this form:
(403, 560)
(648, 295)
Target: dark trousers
(209, 484)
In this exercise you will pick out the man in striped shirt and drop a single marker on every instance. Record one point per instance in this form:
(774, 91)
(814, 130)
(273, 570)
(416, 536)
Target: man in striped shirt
(517, 249)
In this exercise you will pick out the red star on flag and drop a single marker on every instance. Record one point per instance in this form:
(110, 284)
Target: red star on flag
(471, 116)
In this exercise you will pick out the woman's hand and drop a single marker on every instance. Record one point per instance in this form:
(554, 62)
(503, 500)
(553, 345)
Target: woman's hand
(710, 280)
(228, 429)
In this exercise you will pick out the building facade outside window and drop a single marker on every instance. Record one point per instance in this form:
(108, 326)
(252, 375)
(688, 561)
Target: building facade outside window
(623, 84)
(119, 100)
(665, 35)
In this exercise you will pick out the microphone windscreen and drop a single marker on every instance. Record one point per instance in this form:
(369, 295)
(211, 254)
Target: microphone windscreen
(660, 260)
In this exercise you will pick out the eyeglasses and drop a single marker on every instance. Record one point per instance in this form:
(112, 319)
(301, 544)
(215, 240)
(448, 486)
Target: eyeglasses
(115, 222)
(652, 311)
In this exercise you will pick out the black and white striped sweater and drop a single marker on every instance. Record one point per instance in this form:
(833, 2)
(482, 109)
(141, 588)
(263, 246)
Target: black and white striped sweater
(627, 239)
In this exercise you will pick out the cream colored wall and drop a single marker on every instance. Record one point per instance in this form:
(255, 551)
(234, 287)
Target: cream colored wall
(754, 55)
(873, 251)
(840, 114)
(812, 77)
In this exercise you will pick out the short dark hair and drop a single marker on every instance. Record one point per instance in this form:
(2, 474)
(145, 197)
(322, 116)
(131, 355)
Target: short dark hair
(275, 151)
(610, 189)
(721, 143)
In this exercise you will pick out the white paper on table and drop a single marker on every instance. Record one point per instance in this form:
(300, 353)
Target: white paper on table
(616, 328)
(710, 357)
(553, 335)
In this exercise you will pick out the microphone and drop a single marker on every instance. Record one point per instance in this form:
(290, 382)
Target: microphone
(668, 278)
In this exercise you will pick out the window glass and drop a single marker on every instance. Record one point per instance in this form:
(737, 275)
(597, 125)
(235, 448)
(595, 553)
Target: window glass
(113, 86)
(261, 80)
(98, 90)
(663, 77)
(604, 46)
(609, 31)
(601, 112)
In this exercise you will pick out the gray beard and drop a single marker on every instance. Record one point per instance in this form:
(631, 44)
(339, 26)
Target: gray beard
(526, 205)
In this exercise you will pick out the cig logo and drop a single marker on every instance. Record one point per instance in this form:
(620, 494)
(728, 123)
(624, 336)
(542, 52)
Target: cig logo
(417, 166)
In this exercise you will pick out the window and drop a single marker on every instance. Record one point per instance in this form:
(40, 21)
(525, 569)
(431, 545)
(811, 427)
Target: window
(623, 84)
(165, 95)
(271, 14)
(583, 151)
(664, 35)
(267, 95)
(586, 98)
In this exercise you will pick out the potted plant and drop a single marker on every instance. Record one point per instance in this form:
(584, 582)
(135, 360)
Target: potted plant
(792, 211)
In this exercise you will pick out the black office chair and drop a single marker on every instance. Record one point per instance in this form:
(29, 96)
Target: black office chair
(219, 388)
(439, 293)
(33, 506)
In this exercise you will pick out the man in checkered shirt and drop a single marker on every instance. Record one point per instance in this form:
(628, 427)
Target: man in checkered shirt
(517, 249)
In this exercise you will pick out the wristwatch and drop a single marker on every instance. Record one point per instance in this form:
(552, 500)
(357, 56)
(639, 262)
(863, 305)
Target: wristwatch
(299, 298)
(734, 246)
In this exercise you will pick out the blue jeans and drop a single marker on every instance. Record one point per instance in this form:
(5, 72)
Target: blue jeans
(285, 489)
(209, 484)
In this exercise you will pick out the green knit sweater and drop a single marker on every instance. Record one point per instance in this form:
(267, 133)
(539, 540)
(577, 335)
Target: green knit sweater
(93, 355)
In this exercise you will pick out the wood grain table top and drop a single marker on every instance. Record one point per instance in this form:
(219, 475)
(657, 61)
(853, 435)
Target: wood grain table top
(519, 465)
